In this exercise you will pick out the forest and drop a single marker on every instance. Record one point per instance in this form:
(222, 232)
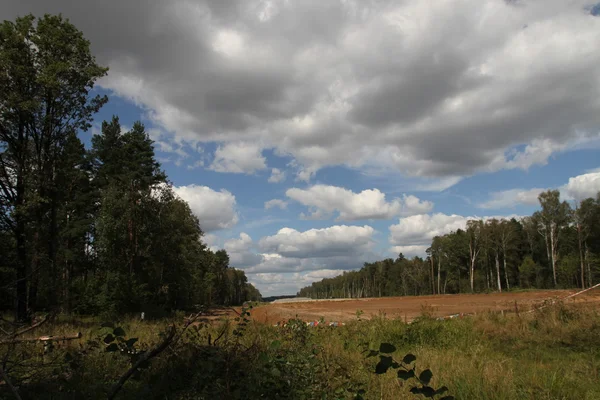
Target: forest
(556, 247)
(94, 230)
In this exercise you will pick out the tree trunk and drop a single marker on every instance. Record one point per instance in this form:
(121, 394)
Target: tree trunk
(439, 273)
(505, 268)
(498, 273)
(432, 277)
(581, 260)
(589, 269)
(553, 246)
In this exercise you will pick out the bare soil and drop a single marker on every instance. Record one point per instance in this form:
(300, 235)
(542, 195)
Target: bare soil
(408, 308)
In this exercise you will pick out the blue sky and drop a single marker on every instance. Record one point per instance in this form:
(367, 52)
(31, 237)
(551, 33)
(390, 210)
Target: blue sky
(311, 136)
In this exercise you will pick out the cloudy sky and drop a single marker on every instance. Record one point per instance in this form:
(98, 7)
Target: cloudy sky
(311, 136)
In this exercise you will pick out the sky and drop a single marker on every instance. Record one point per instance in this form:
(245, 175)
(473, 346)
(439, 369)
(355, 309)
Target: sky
(312, 136)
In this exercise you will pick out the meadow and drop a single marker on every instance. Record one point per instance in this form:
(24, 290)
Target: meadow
(551, 353)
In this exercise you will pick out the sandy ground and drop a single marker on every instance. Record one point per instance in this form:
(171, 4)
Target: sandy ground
(410, 307)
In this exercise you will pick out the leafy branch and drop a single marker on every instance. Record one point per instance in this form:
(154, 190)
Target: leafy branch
(407, 370)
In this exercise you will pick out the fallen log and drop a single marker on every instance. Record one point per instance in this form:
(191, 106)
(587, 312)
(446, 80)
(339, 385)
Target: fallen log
(43, 339)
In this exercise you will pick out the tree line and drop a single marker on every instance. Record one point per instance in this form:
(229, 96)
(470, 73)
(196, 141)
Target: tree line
(96, 229)
(556, 247)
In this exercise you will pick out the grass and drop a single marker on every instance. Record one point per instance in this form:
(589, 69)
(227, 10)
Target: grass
(550, 354)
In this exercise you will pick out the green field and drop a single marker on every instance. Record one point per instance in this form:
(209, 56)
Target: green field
(550, 354)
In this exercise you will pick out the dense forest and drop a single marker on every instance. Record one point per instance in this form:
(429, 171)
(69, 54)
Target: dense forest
(97, 229)
(558, 246)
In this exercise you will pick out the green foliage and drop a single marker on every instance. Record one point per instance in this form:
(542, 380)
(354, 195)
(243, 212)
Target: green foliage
(407, 370)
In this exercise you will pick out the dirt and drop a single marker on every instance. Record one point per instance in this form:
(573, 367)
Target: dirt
(409, 308)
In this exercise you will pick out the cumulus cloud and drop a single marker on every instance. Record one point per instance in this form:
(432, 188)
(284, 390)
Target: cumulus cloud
(335, 248)
(277, 175)
(323, 200)
(215, 210)
(577, 188)
(429, 89)
(420, 229)
(338, 240)
(275, 203)
(410, 251)
(513, 197)
(281, 283)
(412, 235)
(582, 186)
(238, 158)
(241, 253)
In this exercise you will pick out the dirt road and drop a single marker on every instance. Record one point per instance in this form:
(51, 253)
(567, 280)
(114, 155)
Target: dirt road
(411, 307)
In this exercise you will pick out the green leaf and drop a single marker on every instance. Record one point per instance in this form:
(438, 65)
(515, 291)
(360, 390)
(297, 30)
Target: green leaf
(275, 372)
(275, 344)
(405, 375)
(373, 353)
(415, 390)
(408, 358)
(131, 342)
(387, 348)
(119, 331)
(441, 390)
(107, 325)
(427, 391)
(109, 339)
(383, 365)
(68, 357)
(426, 376)
(112, 347)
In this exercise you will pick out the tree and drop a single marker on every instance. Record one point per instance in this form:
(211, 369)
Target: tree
(553, 217)
(507, 235)
(474, 230)
(48, 72)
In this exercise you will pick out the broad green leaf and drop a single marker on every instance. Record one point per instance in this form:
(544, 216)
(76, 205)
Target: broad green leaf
(373, 353)
(275, 344)
(131, 342)
(408, 358)
(383, 365)
(404, 375)
(428, 391)
(119, 331)
(426, 376)
(109, 338)
(387, 348)
(112, 347)
(441, 390)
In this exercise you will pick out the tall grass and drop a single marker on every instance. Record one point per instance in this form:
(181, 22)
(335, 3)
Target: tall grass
(553, 353)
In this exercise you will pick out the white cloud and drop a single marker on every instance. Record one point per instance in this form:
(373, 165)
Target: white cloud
(577, 188)
(241, 252)
(582, 186)
(427, 89)
(215, 210)
(414, 234)
(276, 203)
(511, 198)
(338, 240)
(410, 251)
(277, 175)
(290, 283)
(239, 158)
(420, 229)
(323, 200)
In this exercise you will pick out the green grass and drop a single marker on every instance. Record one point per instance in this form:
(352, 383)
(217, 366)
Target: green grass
(551, 354)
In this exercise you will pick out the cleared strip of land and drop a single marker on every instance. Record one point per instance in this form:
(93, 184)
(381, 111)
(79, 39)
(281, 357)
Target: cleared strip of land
(412, 306)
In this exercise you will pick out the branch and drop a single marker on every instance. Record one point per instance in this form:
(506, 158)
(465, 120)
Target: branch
(43, 339)
(4, 376)
(159, 348)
